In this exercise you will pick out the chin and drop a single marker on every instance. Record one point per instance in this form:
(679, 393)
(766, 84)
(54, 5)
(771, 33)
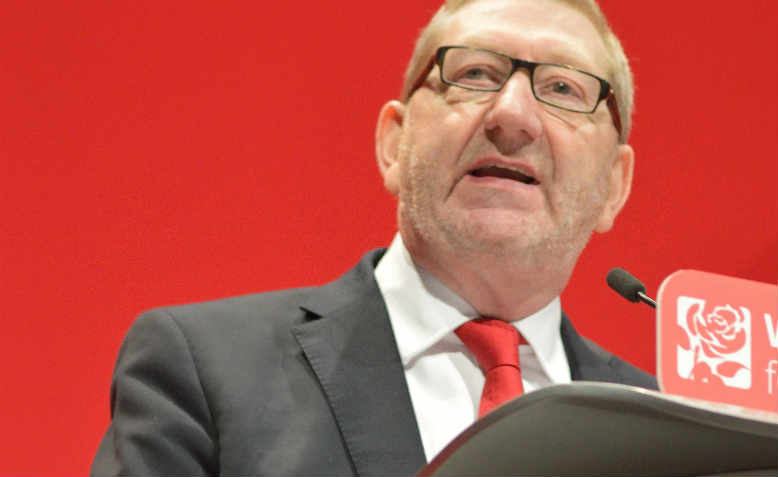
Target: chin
(504, 229)
(497, 242)
(524, 244)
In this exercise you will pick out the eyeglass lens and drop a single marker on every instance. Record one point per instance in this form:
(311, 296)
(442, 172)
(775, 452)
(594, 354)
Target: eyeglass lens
(488, 71)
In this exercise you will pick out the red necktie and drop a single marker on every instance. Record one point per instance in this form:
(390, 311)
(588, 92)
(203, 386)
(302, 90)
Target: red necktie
(495, 345)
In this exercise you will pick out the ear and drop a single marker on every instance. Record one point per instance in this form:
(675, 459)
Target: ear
(619, 187)
(388, 136)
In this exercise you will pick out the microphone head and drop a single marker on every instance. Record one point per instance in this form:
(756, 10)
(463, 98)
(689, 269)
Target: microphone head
(625, 284)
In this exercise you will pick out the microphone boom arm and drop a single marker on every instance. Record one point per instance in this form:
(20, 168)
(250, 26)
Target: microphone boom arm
(646, 299)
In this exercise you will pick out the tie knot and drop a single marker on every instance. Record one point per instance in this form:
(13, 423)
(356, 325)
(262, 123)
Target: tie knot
(493, 342)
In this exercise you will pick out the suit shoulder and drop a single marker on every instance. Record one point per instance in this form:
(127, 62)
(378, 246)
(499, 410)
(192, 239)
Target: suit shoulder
(279, 300)
(287, 307)
(630, 373)
(591, 362)
(240, 314)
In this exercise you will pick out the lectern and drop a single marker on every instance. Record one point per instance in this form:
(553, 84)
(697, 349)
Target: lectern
(587, 428)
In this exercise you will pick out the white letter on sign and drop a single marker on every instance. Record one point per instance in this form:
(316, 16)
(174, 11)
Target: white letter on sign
(772, 330)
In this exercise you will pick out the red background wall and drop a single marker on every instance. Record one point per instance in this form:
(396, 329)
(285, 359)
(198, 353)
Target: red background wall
(162, 152)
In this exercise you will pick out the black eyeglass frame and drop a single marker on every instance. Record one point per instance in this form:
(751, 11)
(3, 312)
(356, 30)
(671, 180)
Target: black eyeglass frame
(606, 91)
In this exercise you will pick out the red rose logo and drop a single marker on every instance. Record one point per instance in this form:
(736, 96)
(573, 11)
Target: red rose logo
(702, 373)
(721, 333)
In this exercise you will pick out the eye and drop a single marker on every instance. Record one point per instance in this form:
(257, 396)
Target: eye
(566, 87)
(477, 76)
(474, 73)
(560, 87)
(565, 92)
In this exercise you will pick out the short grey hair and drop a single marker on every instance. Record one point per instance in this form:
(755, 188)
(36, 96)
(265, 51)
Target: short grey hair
(619, 73)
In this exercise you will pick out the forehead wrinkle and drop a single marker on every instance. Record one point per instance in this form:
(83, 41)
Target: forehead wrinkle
(544, 50)
(546, 43)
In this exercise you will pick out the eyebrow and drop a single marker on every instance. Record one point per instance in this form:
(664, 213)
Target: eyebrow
(554, 51)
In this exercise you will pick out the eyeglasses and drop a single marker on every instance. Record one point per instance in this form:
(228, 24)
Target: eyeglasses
(560, 86)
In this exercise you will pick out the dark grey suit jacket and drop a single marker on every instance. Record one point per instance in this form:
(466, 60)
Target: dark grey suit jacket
(304, 382)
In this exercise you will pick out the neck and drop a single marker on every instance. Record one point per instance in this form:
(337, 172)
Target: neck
(495, 284)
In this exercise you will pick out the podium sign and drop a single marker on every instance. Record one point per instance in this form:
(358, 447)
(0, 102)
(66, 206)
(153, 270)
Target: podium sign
(717, 339)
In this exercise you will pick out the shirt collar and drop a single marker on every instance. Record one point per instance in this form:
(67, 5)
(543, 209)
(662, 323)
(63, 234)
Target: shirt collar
(541, 330)
(423, 310)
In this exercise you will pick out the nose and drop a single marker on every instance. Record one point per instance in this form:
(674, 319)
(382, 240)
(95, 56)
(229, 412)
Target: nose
(513, 119)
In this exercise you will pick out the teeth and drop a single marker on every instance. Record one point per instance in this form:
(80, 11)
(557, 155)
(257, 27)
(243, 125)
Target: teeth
(510, 168)
(516, 169)
(507, 172)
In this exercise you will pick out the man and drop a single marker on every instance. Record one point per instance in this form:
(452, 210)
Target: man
(504, 163)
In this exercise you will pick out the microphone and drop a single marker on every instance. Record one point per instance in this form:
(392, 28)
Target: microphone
(626, 285)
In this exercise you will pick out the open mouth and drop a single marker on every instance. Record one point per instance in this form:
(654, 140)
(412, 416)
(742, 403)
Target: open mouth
(504, 172)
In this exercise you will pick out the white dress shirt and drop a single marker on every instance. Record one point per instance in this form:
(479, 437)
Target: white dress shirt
(443, 376)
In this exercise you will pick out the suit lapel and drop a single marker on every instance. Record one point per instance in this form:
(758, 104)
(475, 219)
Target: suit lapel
(586, 363)
(350, 345)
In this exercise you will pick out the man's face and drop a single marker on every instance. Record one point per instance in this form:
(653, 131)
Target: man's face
(501, 174)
